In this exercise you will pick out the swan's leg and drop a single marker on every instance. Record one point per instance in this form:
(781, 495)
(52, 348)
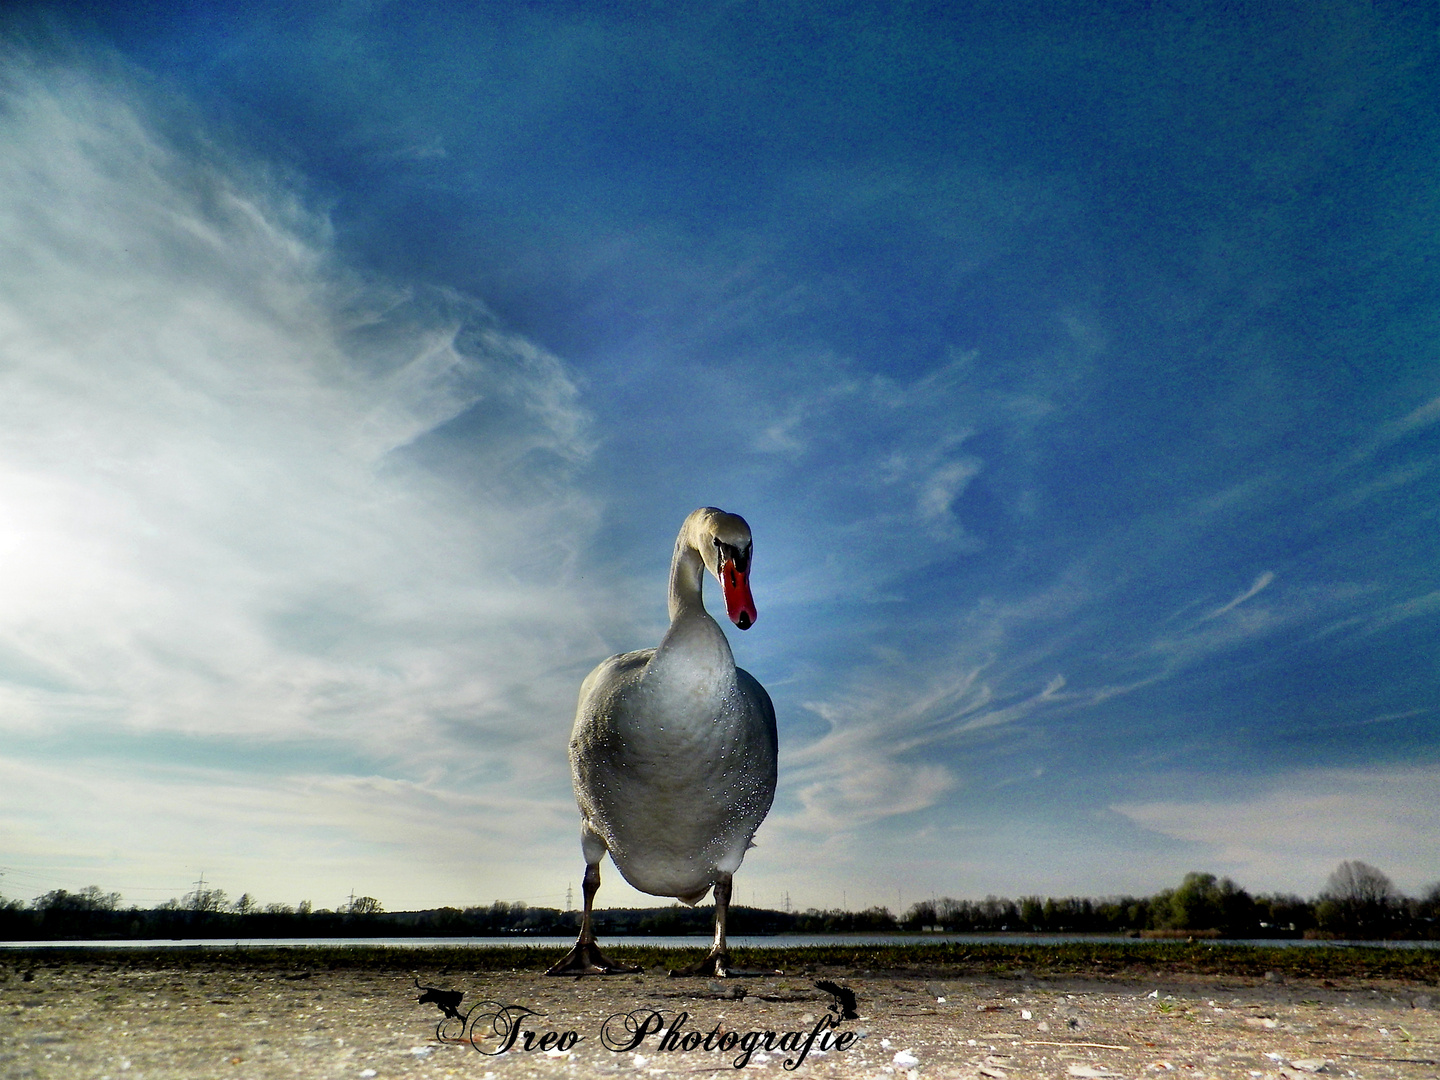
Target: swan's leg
(586, 958)
(717, 960)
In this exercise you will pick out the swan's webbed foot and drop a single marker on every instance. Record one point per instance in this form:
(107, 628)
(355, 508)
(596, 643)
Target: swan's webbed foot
(716, 965)
(587, 959)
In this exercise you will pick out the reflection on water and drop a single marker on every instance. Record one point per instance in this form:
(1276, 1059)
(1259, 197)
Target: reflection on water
(694, 941)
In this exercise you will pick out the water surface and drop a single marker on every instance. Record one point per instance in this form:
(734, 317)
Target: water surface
(693, 941)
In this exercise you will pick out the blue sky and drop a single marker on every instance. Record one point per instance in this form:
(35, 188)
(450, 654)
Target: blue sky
(1078, 372)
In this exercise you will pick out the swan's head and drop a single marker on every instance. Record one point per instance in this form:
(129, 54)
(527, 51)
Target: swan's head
(724, 544)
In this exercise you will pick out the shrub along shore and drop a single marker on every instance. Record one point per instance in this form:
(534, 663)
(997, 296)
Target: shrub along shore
(1016, 959)
(1358, 903)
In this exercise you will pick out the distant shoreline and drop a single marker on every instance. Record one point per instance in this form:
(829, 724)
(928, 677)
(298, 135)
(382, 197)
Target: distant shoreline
(789, 939)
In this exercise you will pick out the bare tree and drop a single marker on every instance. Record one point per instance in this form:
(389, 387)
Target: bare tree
(1358, 900)
(1428, 905)
(205, 900)
(1361, 883)
(89, 898)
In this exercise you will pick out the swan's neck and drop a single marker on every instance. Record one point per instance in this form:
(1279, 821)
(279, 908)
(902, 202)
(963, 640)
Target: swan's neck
(695, 657)
(687, 574)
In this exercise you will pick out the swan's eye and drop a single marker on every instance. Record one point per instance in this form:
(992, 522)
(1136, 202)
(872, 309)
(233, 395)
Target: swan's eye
(728, 553)
(741, 558)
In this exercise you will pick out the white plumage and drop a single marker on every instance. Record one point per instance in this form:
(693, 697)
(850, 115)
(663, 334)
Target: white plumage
(673, 753)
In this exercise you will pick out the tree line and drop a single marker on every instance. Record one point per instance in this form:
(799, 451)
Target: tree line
(1359, 902)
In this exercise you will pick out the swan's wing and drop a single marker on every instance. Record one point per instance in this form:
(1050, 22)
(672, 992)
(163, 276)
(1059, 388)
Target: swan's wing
(763, 707)
(603, 688)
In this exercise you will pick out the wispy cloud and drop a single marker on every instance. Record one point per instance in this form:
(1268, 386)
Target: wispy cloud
(1261, 583)
(1181, 643)
(1295, 830)
(1415, 607)
(897, 731)
(1421, 417)
(149, 829)
(228, 508)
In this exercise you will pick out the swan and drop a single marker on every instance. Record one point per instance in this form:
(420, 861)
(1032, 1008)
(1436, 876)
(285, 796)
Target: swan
(674, 748)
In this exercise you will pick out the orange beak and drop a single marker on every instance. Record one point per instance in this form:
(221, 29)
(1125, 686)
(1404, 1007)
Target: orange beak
(739, 604)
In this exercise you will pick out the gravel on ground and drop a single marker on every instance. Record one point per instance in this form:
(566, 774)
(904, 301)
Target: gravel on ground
(148, 1021)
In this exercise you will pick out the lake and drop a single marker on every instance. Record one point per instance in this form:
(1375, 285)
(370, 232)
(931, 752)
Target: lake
(695, 941)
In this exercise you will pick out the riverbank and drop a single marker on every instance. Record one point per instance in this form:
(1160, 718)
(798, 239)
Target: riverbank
(1177, 1010)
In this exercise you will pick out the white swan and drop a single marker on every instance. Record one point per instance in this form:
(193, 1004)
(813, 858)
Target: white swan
(673, 751)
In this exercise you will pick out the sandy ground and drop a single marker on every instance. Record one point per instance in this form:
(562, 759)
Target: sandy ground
(86, 1020)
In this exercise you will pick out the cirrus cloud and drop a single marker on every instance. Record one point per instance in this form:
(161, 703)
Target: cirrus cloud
(229, 514)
